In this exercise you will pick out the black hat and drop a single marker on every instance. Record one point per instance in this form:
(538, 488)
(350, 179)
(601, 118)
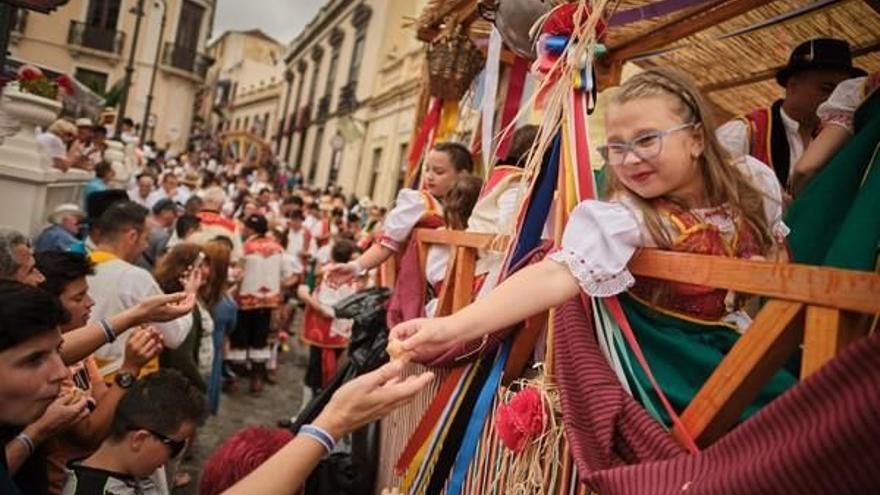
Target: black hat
(257, 223)
(98, 202)
(821, 54)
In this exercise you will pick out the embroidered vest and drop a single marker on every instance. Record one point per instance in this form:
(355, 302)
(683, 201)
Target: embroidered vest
(692, 234)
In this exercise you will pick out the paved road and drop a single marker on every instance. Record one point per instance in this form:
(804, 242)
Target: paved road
(241, 409)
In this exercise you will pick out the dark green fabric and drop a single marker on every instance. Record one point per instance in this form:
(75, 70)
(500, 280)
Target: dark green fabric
(835, 221)
(682, 354)
(185, 358)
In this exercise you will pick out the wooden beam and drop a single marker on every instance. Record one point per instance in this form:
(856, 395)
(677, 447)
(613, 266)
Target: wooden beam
(771, 73)
(465, 266)
(826, 332)
(682, 26)
(459, 238)
(771, 339)
(831, 287)
(874, 4)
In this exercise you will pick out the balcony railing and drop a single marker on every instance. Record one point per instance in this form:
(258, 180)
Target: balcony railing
(347, 98)
(95, 37)
(323, 107)
(186, 59)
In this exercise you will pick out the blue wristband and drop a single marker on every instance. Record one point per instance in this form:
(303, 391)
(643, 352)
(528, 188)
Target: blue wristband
(320, 435)
(109, 335)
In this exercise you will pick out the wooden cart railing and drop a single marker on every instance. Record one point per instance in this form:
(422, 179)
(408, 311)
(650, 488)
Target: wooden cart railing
(817, 309)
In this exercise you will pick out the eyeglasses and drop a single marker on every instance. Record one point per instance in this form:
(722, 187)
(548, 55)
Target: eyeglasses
(175, 446)
(646, 147)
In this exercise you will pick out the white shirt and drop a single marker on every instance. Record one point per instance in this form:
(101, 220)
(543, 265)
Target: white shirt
(51, 145)
(839, 109)
(602, 236)
(734, 136)
(180, 196)
(118, 285)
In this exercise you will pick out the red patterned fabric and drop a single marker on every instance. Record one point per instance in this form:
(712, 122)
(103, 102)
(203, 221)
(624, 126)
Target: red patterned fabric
(819, 437)
(408, 298)
(699, 237)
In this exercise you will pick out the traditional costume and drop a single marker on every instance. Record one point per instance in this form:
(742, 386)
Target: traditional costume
(259, 294)
(769, 134)
(683, 330)
(327, 336)
(413, 209)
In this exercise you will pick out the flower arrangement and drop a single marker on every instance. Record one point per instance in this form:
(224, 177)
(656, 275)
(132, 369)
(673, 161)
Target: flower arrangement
(32, 80)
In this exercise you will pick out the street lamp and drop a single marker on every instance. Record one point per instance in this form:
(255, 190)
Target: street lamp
(155, 70)
(129, 69)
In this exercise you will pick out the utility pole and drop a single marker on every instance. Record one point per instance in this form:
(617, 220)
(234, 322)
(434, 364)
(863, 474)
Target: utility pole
(155, 70)
(129, 70)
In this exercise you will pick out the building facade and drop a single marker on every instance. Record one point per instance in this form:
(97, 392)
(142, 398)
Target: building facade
(245, 84)
(351, 85)
(91, 40)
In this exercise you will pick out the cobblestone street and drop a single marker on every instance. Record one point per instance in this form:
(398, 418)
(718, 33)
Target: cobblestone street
(241, 409)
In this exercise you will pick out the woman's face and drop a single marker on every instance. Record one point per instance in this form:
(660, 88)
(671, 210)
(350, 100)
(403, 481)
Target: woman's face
(250, 208)
(440, 174)
(674, 171)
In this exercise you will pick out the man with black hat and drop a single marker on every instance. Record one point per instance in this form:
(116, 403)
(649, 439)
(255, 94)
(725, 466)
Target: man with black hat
(260, 292)
(777, 135)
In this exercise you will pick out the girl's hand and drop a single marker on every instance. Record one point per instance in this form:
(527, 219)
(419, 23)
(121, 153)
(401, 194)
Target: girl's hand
(69, 408)
(165, 307)
(368, 398)
(191, 280)
(424, 338)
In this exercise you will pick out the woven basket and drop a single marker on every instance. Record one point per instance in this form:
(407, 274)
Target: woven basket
(453, 63)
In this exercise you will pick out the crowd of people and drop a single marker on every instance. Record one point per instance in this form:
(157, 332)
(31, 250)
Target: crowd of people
(128, 317)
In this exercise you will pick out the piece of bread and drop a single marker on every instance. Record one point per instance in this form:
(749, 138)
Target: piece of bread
(396, 351)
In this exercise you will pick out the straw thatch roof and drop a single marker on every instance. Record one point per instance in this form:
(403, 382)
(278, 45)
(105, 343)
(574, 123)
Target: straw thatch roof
(733, 48)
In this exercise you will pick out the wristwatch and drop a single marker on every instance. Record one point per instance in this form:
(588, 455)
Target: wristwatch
(124, 379)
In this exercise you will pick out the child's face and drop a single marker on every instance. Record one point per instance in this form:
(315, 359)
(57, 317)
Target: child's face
(674, 168)
(149, 452)
(440, 173)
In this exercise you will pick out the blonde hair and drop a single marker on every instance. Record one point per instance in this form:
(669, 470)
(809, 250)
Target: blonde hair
(723, 182)
(61, 127)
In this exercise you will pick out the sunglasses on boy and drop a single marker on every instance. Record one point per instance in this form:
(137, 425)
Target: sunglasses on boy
(646, 147)
(175, 446)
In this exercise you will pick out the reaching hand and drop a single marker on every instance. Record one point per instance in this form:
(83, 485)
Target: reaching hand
(424, 338)
(143, 345)
(369, 397)
(69, 408)
(165, 307)
(191, 280)
(342, 272)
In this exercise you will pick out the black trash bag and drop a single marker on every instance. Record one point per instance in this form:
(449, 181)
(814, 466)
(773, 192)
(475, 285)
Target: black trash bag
(355, 473)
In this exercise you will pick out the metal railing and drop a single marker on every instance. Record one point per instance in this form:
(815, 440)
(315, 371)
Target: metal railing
(186, 59)
(95, 37)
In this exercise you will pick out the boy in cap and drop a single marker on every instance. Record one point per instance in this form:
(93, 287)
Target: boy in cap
(777, 135)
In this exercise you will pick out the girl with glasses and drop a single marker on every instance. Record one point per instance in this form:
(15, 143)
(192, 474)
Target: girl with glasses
(672, 187)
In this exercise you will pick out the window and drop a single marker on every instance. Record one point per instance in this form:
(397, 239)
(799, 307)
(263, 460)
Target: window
(103, 14)
(374, 171)
(266, 124)
(237, 123)
(313, 84)
(247, 123)
(96, 81)
(402, 167)
(331, 74)
(357, 55)
(316, 154)
(190, 25)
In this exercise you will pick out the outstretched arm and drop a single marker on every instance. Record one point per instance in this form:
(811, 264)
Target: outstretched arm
(360, 401)
(528, 292)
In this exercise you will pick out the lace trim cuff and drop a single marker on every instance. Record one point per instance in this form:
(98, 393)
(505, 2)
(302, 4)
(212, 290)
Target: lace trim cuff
(591, 281)
(840, 118)
(390, 243)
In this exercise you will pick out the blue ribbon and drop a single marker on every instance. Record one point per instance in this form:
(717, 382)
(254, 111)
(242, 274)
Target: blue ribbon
(539, 205)
(477, 422)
